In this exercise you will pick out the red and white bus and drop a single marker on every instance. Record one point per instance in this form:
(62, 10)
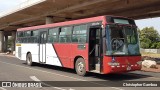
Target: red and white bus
(103, 44)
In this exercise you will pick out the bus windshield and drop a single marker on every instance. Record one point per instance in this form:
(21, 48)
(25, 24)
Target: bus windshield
(122, 40)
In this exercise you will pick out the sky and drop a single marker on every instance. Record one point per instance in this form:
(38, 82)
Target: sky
(149, 22)
(155, 22)
(8, 4)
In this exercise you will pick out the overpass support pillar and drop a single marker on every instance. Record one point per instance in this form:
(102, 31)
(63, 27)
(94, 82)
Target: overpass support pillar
(1, 41)
(49, 19)
(13, 40)
(6, 43)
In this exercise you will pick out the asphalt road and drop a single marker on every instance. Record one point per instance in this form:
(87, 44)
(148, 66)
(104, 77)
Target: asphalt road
(13, 69)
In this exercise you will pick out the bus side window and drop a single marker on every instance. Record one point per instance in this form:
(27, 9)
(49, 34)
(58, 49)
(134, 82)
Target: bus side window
(79, 34)
(65, 34)
(53, 35)
(19, 37)
(34, 37)
(27, 35)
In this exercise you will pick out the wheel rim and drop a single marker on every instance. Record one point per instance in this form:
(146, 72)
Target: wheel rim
(80, 67)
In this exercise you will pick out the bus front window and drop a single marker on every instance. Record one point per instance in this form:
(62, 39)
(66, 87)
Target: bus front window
(122, 40)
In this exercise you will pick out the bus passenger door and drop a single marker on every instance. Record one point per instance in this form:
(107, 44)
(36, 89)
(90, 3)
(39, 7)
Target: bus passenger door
(42, 47)
(95, 48)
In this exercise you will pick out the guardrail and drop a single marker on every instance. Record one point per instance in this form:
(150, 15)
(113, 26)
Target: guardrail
(157, 51)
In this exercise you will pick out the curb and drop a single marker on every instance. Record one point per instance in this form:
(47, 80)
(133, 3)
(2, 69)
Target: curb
(7, 55)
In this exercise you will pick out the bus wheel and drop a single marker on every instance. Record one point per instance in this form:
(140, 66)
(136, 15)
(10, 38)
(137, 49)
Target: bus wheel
(80, 67)
(29, 59)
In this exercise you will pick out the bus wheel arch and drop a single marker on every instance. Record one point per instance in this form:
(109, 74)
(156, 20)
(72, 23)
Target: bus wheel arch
(29, 59)
(80, 65)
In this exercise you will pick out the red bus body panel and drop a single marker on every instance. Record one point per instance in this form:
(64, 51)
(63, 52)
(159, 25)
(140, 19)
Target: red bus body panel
(68, 52)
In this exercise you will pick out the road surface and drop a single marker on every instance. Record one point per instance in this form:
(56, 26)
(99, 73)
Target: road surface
(13, 69)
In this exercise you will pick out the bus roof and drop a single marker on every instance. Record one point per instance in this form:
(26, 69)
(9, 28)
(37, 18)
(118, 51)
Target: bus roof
(73, 22)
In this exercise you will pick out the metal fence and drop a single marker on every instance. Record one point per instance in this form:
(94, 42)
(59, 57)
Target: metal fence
(157, 51)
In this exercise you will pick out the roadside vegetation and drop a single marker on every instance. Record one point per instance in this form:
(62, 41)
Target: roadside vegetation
(149, 38)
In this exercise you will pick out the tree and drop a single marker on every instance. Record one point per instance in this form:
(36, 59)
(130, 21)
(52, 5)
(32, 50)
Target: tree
(145, 43)
(158, 45)
(149, 38)
(153, 45)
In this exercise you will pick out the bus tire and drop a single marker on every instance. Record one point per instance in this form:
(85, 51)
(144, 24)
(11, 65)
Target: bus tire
(29, 59)
(80, 67)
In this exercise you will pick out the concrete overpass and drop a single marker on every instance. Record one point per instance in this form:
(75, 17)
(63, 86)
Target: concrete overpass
(37, 12)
